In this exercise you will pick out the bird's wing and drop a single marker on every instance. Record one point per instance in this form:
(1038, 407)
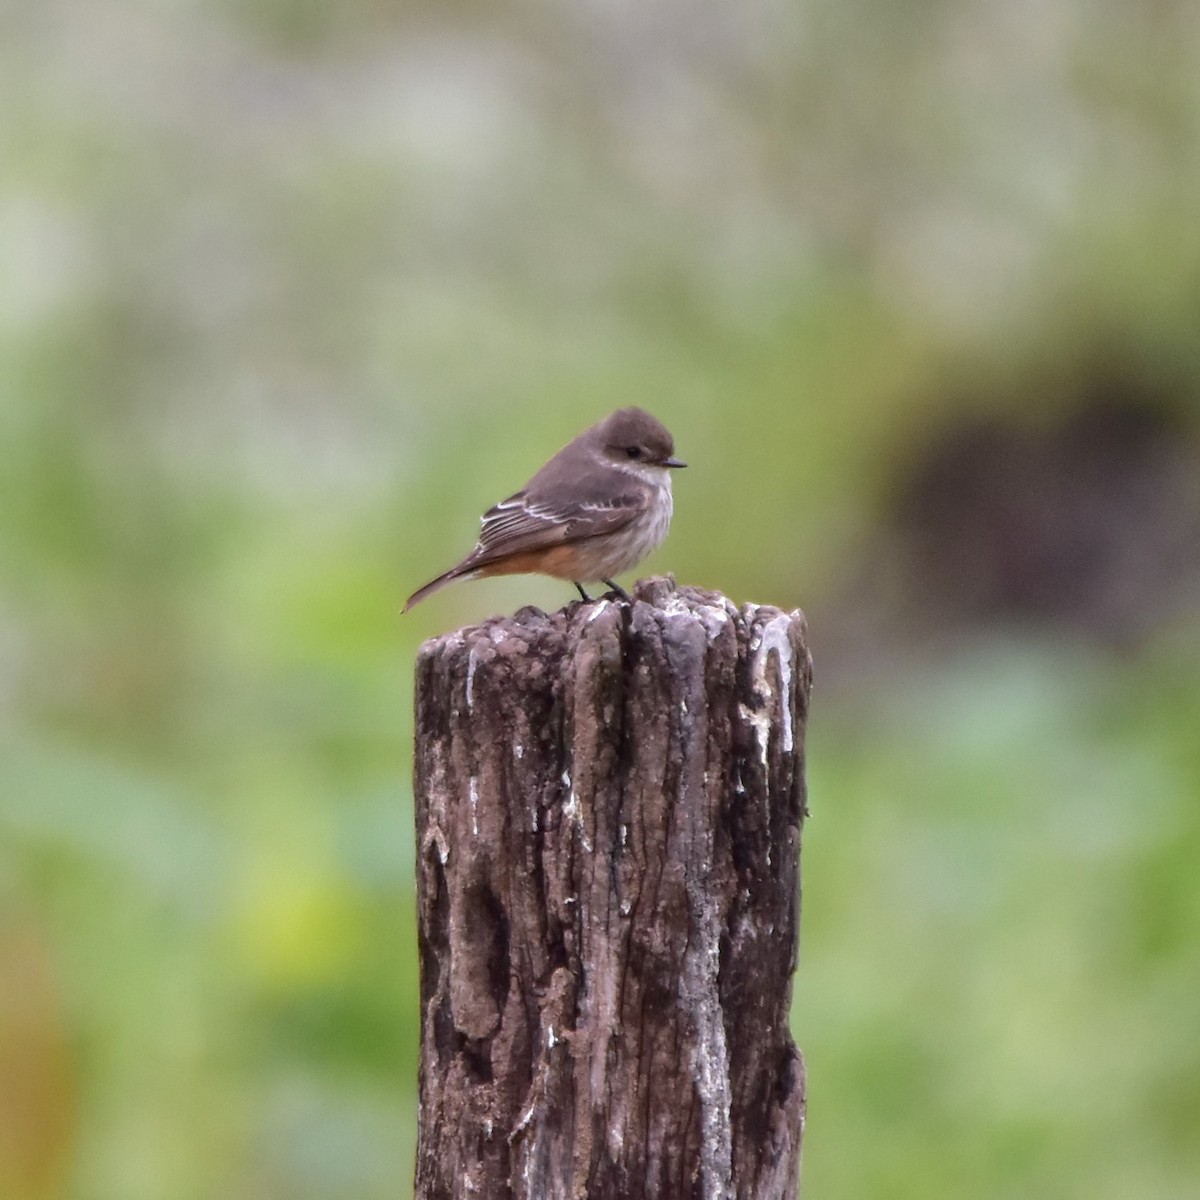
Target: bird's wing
(524, 522)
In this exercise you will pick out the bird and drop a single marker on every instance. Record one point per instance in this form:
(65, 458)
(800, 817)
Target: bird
(597, 508)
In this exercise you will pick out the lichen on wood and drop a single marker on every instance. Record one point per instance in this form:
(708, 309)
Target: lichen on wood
(609, 802)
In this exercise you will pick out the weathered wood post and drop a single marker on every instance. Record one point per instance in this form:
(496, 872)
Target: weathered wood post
(609, 802)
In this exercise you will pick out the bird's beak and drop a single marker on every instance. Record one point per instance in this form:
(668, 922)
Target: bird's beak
(672, 462)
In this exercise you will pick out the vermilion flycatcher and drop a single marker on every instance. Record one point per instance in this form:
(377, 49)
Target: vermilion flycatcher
(597, 508)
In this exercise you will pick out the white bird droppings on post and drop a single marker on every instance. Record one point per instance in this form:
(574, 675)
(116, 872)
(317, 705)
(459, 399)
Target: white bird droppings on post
(773, 636)
(573, 812)
(713, 617)
(597, 608)
(472, 663)
(760, 719)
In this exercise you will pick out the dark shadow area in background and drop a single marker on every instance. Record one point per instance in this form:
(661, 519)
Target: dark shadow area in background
(1080, 517)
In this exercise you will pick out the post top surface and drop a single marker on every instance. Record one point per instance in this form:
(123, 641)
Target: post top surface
(657, 597)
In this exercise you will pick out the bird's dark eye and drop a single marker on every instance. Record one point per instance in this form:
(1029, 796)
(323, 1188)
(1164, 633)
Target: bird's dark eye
(634, 452)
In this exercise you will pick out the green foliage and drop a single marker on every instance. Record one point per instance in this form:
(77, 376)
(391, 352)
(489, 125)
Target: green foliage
(1013, 842)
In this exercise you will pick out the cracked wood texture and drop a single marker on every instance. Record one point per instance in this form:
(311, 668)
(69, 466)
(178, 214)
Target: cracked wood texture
(609, 802)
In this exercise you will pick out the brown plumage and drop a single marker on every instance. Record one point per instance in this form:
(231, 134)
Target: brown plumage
(597, 508)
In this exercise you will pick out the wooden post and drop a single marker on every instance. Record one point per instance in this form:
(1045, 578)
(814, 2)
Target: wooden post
(609, 802)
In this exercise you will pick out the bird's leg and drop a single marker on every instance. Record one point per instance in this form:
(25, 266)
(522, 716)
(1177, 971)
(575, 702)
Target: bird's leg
(616, 587)
(586, 598)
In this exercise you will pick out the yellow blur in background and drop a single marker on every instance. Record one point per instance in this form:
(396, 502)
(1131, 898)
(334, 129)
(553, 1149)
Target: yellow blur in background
(291, 292)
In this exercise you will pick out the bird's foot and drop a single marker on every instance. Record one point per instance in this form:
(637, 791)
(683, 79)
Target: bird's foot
(616, 587)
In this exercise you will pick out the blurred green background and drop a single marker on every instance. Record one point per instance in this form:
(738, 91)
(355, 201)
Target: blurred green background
(290, 292)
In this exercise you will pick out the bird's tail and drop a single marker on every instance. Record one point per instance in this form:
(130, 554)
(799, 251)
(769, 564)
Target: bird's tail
(458, 572)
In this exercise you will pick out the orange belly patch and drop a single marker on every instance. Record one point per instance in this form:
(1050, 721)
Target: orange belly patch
(562, 562)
